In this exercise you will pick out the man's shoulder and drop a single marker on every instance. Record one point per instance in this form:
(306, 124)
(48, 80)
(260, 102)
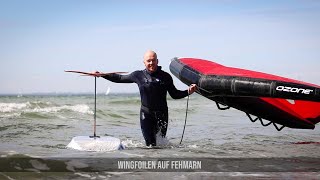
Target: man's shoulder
(165, 74)
(137, 72)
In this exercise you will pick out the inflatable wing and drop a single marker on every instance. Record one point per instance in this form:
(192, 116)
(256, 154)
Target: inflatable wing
(282, 101)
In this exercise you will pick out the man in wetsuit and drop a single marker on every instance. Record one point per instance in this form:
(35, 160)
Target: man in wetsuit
(153, 84)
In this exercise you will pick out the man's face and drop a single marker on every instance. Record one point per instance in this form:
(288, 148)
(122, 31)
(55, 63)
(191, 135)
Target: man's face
(151, 62)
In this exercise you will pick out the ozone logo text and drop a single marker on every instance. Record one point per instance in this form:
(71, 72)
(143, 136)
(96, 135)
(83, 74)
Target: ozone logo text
(293, 89)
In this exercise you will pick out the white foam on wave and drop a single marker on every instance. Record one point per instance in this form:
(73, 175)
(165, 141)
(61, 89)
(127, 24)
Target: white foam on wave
(13, 115)
(36, 107)
(81, 108)
(10, 107)
(161, 142)
(193, 146)
(130, 143)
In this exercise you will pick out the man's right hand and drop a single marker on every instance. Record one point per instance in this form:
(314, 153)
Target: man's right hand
(97, 74)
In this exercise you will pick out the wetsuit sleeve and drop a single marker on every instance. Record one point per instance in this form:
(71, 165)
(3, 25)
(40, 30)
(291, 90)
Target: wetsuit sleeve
(117, 78)
(174, 92)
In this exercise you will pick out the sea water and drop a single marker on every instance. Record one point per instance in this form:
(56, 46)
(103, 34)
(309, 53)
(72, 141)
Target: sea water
(41, 126)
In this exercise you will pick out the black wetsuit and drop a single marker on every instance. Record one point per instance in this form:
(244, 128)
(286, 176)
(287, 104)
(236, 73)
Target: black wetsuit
(153, 89)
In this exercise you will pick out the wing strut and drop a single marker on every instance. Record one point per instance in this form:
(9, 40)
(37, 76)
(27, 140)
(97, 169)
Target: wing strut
(219, 105)
(264, 124)
(222, 108)
(279, 129)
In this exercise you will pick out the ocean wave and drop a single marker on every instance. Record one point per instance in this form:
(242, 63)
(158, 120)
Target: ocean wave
(16, 109)
(11, 107)
(81, 108)
(125, 101)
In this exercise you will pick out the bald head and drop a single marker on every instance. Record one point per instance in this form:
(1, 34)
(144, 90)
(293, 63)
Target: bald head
(149, 54)
(150, 60)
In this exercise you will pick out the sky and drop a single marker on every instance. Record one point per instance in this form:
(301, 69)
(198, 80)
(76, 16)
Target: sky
(40, 39)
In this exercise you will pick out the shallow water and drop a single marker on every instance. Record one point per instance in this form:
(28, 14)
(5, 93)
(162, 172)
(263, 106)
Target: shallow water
(42, 126)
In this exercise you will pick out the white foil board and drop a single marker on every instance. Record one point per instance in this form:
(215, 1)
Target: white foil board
(102, 143)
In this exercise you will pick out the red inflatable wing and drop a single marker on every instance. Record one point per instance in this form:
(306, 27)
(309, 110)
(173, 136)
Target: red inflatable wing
(288, 102)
